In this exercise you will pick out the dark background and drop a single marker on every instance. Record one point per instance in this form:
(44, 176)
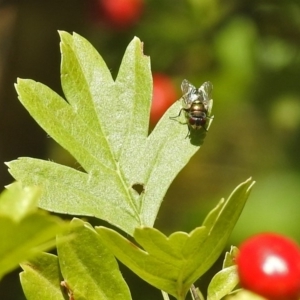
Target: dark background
(248, 49)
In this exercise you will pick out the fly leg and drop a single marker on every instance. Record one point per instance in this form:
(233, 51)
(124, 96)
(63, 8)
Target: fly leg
(210, 118)
(177, 115)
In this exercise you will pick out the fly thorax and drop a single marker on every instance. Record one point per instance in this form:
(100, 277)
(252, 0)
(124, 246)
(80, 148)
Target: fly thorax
(197, 106)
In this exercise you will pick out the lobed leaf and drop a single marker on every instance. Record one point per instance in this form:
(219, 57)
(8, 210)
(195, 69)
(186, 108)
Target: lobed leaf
(104, 125)
(173, 263)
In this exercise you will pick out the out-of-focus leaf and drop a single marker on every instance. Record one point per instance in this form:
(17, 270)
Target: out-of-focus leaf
(230, 256)
(41, 278)
(244, 295)
(17, 202)
(88, 267)
(223, 283)
(24, 230)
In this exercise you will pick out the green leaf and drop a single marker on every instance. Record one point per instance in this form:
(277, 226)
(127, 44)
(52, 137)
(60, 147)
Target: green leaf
(17, 202)
(162, 267)
(225, 280)
(88, 267)
(42, 279)
(173, 263)
(244, 295)
(230, 257)
(223, 283)
(222, 228)
(104, 125)
(213, 214)
(32, 230)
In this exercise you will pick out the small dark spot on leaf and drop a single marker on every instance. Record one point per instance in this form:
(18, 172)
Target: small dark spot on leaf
(139, 188)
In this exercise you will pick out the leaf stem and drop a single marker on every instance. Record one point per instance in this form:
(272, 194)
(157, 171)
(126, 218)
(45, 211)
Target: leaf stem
(196, 294)
(165, 295)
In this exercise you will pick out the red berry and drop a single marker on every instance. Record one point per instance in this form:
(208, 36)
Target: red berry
(164, 95)
(269, 265)
(122, 13)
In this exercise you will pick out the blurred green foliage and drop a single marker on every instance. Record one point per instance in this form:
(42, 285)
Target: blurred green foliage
(249, 50)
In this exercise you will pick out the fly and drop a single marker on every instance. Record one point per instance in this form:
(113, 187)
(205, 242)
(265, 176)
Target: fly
(197, 104)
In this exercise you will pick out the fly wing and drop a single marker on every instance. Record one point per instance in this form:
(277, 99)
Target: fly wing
(187, 90)
(186, 86)
(205, 90)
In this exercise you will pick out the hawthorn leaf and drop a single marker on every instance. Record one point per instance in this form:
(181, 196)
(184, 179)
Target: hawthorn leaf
(104, 125)
(223, 283)
(221, 229)
(162, 264)
(210, 219)
(89, 269)
(230, 257)
(225, 280)
(17, 202)
(41, 278)
(173, 263)
(32, 230)
(244, 295)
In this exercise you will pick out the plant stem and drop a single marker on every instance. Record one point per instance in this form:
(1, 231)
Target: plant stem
(196, 294)
(165, 295)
